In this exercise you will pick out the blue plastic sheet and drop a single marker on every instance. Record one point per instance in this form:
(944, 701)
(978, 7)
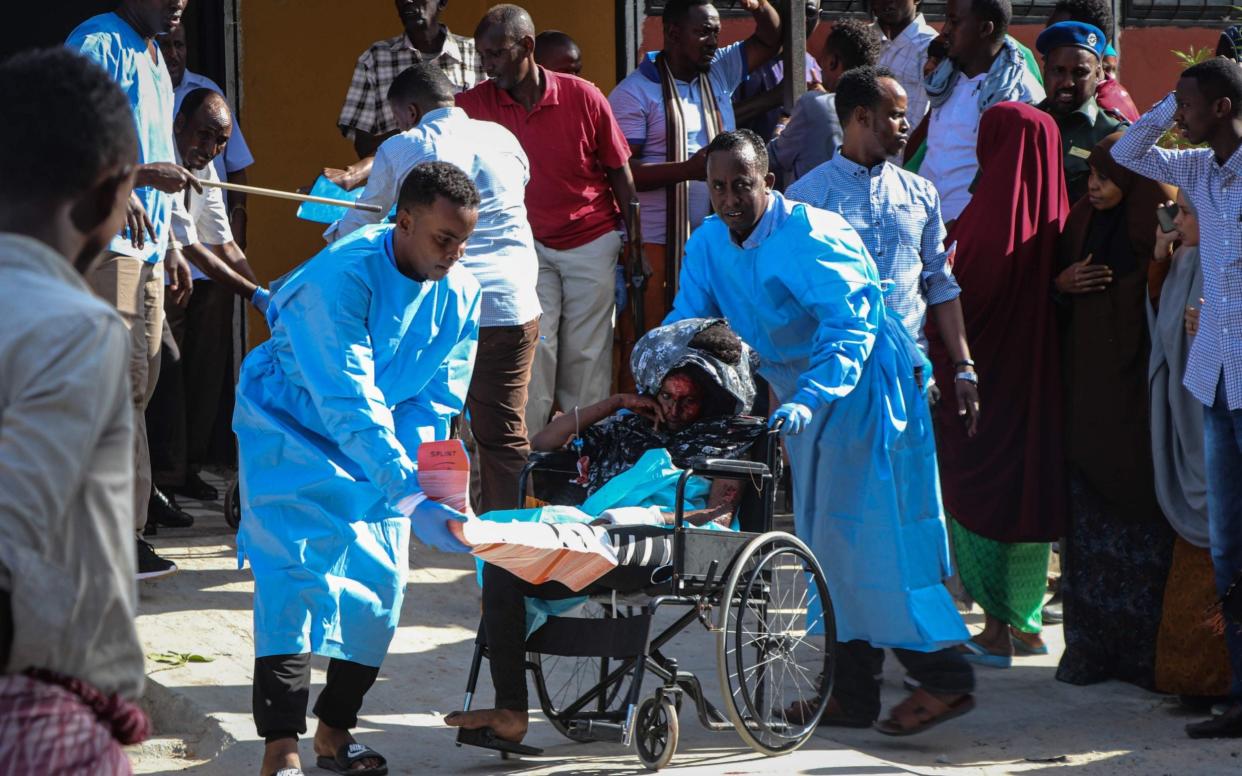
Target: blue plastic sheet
(326, 214)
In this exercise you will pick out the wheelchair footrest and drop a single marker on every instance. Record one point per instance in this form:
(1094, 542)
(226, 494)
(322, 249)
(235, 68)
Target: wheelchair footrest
(486, 738)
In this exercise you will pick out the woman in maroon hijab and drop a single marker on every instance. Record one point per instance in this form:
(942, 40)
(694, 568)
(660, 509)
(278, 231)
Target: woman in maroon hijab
(1004, 488)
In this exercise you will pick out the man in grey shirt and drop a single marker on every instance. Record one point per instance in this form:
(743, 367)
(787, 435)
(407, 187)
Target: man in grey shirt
(68, 154)
(813, 133)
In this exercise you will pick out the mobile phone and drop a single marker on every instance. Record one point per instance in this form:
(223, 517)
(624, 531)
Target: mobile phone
(1165, 215)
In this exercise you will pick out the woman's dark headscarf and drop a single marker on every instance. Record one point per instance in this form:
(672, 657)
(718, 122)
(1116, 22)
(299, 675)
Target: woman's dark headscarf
(1136, 237)
(1106, 348)
(669, 349)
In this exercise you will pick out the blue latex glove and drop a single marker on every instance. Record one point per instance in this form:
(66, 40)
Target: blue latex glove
(261, 298)
(792, 416)
(622, 291)
(429, 521)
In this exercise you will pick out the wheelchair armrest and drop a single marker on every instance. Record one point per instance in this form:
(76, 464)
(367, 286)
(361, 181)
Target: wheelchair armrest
(728, 467)
(552, 460)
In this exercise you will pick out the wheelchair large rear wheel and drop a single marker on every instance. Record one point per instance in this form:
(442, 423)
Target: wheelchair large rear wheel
(775, 644)
(563, 680)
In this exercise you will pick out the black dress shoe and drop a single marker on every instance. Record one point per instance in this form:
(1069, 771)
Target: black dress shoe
(1227, 725)
(196, 489)
(163, 510)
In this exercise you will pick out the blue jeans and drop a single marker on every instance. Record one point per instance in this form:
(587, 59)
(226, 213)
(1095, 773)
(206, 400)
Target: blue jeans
(1222, 432)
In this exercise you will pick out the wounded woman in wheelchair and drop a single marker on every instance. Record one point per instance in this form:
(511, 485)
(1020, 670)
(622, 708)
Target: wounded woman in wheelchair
(695, 387)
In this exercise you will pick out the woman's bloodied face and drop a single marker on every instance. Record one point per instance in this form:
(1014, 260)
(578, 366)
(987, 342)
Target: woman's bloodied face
(681, 400)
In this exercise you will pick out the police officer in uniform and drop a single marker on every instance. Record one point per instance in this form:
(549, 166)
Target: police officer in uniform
(1072, 54)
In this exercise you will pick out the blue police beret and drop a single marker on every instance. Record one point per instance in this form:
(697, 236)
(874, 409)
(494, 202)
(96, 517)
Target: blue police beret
(1080, 34)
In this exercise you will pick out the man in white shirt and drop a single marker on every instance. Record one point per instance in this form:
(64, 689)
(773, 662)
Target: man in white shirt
(903, 50)
(500, 254)
(230, 165)
(186, 408)
(984, 67)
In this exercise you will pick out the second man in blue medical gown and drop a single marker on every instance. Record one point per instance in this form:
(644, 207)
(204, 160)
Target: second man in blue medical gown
(797, 284)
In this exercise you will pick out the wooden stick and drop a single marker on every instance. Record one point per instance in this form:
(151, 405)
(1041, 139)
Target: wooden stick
(291, 195)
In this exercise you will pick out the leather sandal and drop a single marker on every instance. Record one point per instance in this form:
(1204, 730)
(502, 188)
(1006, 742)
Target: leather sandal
(922, 711)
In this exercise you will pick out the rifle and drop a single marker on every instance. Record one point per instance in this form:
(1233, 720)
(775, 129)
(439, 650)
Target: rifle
(636, 267)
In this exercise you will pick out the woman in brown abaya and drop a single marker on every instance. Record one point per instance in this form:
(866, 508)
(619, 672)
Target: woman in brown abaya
(1118, 545)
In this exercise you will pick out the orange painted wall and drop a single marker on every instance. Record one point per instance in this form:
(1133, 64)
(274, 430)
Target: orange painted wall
(1148, 68)
(297, 59)
(590, 22)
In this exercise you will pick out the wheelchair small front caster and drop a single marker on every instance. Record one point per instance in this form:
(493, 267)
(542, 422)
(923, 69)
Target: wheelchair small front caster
(232, 504)
(656, 732)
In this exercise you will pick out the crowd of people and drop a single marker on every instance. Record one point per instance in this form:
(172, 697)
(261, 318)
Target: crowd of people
(993, 311)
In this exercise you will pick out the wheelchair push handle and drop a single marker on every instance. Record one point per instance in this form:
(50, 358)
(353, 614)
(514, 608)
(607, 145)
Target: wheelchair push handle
(728, 467)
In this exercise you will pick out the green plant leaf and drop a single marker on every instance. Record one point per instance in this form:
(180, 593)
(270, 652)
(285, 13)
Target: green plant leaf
(178, 658)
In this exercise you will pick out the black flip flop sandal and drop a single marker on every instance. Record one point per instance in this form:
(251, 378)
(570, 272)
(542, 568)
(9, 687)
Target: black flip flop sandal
(487, 739)
(349, 755)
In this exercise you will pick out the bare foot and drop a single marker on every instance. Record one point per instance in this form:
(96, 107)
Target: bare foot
(278, 755)
(505, 723)
(1033, 641)
(994, 637)
(329, 740)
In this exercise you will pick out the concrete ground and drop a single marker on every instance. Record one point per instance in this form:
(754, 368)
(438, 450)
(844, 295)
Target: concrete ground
(1026, 722)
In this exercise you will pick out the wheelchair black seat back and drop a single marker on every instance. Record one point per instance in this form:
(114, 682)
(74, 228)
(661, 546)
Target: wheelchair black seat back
(760, 592)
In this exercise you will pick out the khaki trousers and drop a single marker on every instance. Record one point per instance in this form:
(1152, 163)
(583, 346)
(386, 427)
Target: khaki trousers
(136, 289)
(573, 360)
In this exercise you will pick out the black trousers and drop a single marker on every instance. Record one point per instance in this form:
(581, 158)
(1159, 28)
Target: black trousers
(856, 685)
(282, 690)
(643, 551)
(193, 397)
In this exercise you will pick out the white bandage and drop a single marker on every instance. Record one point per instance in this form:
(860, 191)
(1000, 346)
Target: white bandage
(632, 516)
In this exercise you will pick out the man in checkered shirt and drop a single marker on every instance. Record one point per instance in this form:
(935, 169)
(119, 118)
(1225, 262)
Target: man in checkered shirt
(366, 118)
(1207, 108)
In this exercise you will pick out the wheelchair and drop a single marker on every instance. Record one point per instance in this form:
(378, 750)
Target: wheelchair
(759, 591)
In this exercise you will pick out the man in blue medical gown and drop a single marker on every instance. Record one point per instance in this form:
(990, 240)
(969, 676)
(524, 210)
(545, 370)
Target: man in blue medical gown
(797, 284)
(373, 342)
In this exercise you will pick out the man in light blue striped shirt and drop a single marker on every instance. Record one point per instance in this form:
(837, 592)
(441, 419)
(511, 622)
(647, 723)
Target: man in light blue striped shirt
(130, 276)
(1207, 108)
(500, 254)
(896, 213)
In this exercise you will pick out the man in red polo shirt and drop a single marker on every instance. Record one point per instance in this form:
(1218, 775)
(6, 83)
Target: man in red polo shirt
(580, 171)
